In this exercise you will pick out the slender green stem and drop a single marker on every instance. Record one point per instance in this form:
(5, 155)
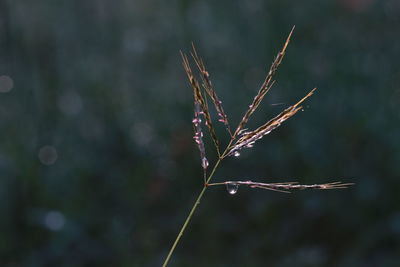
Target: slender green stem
(196, 204)
(189, 217)
(178, 237)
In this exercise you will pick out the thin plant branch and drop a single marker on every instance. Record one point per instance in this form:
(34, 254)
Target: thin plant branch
(286, 186)
(198, 97)
(265, 87)
(198, 137)
(247, 139)
(208, 87)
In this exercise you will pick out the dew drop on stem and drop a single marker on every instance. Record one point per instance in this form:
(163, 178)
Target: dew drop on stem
(236, 154)
(204, 163)
(232, 188)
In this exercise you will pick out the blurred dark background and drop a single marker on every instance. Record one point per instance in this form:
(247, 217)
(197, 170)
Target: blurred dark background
(97, 161)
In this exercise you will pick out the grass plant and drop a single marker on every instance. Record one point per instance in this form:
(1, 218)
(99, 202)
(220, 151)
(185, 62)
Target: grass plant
(240, 138)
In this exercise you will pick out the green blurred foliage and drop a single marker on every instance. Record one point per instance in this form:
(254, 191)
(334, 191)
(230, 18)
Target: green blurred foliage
(97, 163)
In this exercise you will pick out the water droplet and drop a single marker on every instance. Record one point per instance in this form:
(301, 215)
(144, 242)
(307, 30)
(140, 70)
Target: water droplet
(249, 145)
(232, 188)
(236, 154)
(204, 163)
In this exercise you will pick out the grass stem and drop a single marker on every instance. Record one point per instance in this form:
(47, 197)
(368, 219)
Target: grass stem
(189, 217)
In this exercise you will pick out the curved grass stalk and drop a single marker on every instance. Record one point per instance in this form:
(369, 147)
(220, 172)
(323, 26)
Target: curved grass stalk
(193, 209)
(189, 217)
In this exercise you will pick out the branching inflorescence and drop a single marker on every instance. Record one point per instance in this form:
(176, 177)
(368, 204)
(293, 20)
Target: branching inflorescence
(239, 139)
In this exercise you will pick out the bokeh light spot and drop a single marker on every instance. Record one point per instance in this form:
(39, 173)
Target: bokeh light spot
(54, 220)
(6, 84)
(142, 133)
(356, 5)
(70, 103)
(48, 155)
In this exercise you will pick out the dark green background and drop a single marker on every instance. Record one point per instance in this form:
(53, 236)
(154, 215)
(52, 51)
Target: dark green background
(101, 82)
